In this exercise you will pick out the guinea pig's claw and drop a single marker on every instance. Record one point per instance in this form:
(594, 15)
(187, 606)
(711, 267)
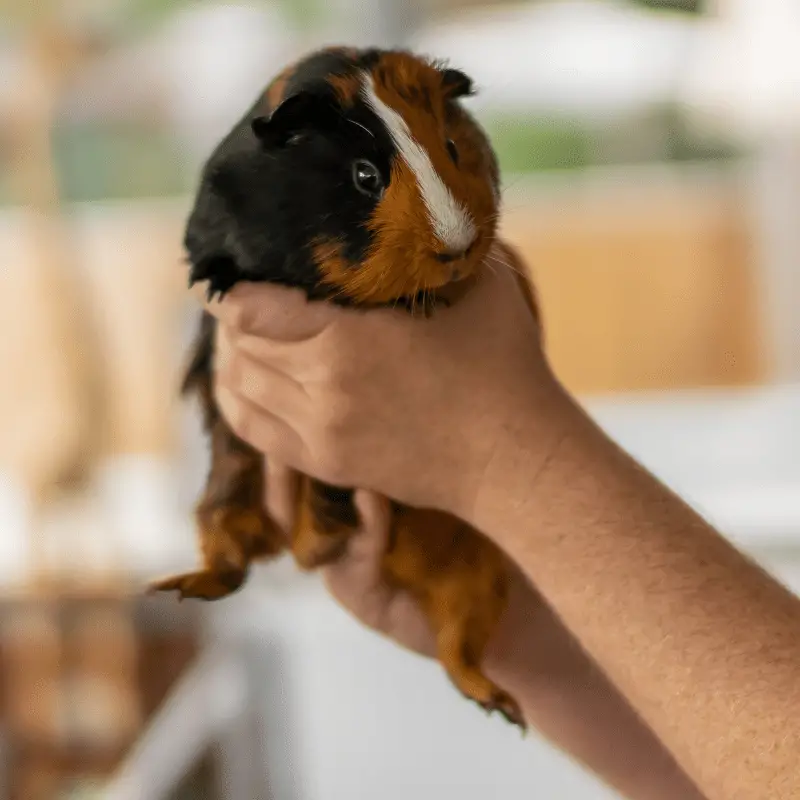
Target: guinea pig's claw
(508, 708)
(213, 290)
(220, 273)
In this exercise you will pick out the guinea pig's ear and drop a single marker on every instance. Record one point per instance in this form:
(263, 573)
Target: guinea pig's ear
(301, 112)
(456, 84)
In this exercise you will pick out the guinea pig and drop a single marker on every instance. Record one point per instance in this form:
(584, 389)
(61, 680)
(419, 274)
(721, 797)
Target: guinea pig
(359, 177)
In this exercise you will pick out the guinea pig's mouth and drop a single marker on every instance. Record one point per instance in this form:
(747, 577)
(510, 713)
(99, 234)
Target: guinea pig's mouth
(450, 256)
(455, 265)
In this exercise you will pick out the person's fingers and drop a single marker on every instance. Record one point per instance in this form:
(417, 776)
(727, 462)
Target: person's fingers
(268, 389)
(225, 313)
(219, 307)
(356, 579)
(375, 515)
(268, 310)
(281, 490)
(282, 356)
(360, 568)
(273, 392)
(358, 582)
(224, 350)
(262, 431)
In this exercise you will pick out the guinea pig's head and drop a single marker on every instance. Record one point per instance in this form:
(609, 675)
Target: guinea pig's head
(358, 172)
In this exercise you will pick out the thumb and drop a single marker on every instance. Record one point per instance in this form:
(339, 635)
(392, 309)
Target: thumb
(374, 511)
(281, 490)
(365, 550)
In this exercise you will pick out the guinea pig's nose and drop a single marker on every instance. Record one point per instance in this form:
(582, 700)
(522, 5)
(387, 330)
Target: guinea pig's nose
(449, 256)
(446, 256)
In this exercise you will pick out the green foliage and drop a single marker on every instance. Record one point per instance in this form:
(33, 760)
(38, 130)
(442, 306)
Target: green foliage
(685, 144)
(530, 144)
(117, 162)
(97, 162)
(690, 6)
(144, 14)
(527, 143)
(149, 13)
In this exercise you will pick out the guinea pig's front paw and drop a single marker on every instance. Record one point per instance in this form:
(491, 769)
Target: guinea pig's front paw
(221, 273)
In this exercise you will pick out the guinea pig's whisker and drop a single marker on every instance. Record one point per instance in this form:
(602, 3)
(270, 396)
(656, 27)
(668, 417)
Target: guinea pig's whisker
(505, 187)
(522, 205)
(414, 296)
(363, 127)
(498, 261)
(495, 260)
(491, 267)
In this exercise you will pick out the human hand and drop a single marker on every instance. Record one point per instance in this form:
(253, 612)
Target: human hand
(356, 582)
(564, 695)
(412, 408)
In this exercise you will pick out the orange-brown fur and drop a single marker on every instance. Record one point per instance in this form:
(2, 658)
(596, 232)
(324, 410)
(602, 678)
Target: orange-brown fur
(458, 577)
(277, 88)
(347, 88)
(400, 81)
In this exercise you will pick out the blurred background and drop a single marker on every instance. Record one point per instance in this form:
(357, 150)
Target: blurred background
(651, 163)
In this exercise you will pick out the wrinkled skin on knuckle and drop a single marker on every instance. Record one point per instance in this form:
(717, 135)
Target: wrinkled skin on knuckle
(331, 417)
(325, 383)
(321, 375)
(330, 466)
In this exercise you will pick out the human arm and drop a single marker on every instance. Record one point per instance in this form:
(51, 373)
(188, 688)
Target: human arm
(702, 643)
(564, 697)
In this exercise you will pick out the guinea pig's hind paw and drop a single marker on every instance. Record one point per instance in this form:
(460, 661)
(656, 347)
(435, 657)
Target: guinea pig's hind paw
(508, 707)
(200, 585)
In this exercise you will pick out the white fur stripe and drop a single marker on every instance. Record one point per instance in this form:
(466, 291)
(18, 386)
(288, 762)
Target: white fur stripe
(451, 222)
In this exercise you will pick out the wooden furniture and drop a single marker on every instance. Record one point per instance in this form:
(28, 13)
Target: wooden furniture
(82, 673)
(647, 278)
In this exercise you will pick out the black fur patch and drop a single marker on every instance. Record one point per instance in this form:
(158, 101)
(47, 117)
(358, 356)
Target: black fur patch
(456, 84)
(333, 508)
(261, 206)
(317, 68)
(370, 57)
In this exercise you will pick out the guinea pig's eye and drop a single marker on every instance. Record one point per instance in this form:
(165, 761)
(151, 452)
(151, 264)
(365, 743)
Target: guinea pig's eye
(452, 150)
(367, 178)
